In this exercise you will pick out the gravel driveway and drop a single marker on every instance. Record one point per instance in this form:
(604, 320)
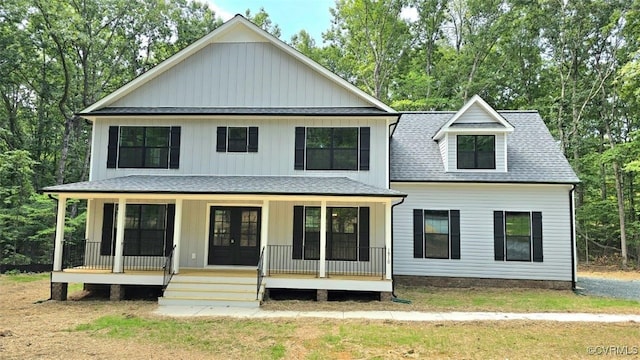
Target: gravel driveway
(621, 289)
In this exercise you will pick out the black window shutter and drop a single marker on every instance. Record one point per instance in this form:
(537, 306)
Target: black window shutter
(106, 246)
(498, 235)
(112, 147)
(222, 139)
(454, 233)
(365, 146)
(253, 139)
(418, 233)
(168, 235)
(298, 231)
(174, 152)
(363, 223)
(536, 232)
(300, 144)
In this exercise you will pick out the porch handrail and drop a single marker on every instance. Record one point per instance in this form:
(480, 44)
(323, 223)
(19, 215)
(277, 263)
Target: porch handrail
(260, 274)
(167, 269)
(85, 254)
(347, 260)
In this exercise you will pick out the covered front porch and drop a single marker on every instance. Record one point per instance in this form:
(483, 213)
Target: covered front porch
(290, 237)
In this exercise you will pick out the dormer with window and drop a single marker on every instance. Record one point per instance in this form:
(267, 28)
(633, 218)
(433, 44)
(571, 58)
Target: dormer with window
(474, 139)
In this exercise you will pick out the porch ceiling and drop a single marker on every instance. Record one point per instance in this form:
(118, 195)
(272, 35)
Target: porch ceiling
(227, 185)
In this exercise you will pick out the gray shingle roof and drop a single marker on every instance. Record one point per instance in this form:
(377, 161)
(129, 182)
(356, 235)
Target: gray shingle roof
(304, 111)
(533, 155)
(269, 185)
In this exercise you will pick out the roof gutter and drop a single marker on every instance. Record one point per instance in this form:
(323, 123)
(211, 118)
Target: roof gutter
(393, 281)
(572, 217)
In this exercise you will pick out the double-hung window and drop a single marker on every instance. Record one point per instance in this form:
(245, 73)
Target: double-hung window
(476, 151)
(518, 236)
(436, 234)
(347, 233)
(150, 147)
(148, 229)
(237, 139)
(332, 148)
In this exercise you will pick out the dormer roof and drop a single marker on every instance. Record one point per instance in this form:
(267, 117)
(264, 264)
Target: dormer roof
(534, 156)
(491, 123)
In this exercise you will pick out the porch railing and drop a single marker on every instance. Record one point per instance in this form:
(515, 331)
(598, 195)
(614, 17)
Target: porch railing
(260, 274)
(344, 261)
(85, 254)
(280, 261)
(168, 268)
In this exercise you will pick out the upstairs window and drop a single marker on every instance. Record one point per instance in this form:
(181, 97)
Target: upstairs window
(237, 139)
(151, 147)
(332, 148)
(476, 151)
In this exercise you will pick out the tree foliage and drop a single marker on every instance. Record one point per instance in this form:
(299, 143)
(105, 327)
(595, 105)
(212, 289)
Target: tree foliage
(577, 62)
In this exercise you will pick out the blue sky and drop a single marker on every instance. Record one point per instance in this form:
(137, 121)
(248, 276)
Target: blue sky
(291, 15)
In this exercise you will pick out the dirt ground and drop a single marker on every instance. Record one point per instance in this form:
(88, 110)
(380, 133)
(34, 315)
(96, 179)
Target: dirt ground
(608, 272)
(30, 329)
(33, 328)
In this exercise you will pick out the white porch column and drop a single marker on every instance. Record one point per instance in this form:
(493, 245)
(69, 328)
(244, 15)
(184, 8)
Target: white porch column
(57, 250)
(264, 234)
(118, 260)
(323, 239)
(177, 232)
(387, 239)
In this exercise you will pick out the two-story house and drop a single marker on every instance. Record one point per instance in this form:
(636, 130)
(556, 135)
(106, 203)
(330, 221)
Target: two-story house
(239, 153)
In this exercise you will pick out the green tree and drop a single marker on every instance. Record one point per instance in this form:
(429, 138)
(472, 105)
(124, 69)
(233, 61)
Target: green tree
(370, 38)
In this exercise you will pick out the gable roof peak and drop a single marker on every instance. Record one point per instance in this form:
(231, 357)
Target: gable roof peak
(476, 100)
(218, 35)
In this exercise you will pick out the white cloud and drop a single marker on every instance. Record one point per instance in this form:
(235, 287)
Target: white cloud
(220, 12)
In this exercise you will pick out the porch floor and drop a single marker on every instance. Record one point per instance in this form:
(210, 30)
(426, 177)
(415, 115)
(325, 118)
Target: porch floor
(329, 276)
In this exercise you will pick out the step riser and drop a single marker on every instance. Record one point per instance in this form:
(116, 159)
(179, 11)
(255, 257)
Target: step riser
(232, 291)
(213, 303)
(210, 295)
(211, 287)
(214, 279)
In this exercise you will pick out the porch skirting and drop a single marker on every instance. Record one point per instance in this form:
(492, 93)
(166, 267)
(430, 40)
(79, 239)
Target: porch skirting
(466, 282)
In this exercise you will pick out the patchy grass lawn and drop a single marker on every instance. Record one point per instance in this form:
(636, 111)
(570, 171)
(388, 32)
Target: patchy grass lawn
(23, 278)
(473, 299)
(105, 330)
(356, 339)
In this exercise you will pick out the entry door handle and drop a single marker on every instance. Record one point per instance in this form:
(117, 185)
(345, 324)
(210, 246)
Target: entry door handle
(233, 241)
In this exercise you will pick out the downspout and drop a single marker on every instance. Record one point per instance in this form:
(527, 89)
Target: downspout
(391, 132)
(51, 273)
(572, 217)
(393, 281)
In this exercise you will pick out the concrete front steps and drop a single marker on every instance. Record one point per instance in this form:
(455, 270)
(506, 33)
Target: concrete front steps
(218, 291)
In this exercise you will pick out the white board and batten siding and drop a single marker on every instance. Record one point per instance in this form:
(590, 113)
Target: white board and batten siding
(276, 148)
(476, 203)
(242, 74)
